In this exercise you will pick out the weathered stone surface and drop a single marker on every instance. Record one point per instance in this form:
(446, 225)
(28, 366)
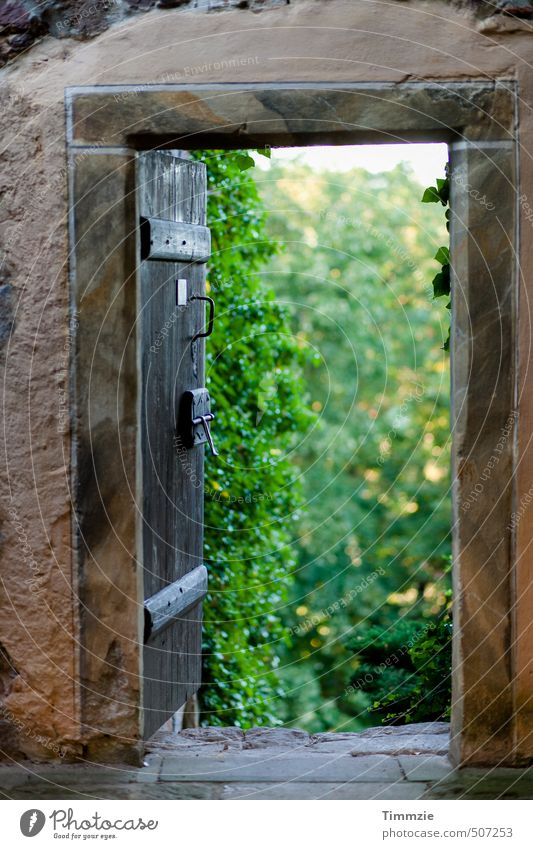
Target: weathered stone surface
(273, 773)
(348, 791)
(264, 738)
(480, 784)
(215, 739)
(22, 22)
(197, 740)
(414, 728)
(232, 735)
(188, 790)
(436, 744)
(343, 745)
(19, 28)
(63, 774)
(425, 767)
(293, 765)
(431, 737)
(36, 602)
(285, 115)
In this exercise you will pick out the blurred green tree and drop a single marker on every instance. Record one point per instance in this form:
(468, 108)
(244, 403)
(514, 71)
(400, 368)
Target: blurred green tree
(373, 541)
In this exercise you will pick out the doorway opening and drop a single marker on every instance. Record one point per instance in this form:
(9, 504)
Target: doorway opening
(109, 130)
(328, 510)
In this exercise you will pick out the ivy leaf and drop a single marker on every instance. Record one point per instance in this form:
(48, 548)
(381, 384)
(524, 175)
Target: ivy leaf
(441, 282)
(443, 255)
(446, 346)
(431, 195)
(438, 285)
(265, 151)
(444, 191)
(244, 161)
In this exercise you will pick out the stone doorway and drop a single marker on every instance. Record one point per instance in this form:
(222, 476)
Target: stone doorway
(107, 125)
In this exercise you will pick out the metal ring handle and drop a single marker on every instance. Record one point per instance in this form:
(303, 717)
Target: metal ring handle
(211, 319)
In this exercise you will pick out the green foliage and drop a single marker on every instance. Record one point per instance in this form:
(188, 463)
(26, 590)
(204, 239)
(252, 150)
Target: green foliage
(244, 161)
(431, 195)
(373, 541)
(353, 503)
(407, 673)
(406, 670)
(253, 373)
(441, 282)
(439, 193)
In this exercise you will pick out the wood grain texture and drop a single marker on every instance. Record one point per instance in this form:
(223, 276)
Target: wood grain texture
(172, 479)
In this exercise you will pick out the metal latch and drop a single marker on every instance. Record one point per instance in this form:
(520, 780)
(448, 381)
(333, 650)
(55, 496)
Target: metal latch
(194, 418)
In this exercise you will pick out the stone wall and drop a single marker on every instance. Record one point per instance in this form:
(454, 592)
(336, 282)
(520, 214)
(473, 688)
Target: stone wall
(23, 22)
(307, 40)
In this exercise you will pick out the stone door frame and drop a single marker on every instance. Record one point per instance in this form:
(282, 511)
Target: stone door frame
(106, 125)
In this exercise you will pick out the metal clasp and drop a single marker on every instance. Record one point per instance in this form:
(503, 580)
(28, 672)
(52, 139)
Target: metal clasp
(194, 417)
(204, 421)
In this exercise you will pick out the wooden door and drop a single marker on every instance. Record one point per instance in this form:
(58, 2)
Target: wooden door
(173, 246)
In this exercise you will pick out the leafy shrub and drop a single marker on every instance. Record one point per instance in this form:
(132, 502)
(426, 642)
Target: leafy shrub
(406, 669)
(253, 368)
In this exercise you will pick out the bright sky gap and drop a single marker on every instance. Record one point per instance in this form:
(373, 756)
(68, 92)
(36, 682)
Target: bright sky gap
(427, 161)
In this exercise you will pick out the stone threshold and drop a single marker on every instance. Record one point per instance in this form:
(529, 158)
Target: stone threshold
(396, 763)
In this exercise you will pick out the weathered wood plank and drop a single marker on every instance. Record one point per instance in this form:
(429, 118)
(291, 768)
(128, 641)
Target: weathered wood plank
(171, 189)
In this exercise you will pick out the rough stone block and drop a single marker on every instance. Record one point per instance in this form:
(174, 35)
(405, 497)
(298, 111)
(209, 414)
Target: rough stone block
(232, 735)
(264, 738)
(406, 730)
(417, 744)
(285, 767)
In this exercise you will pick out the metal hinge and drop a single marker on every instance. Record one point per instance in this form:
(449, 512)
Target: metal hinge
(173, 241)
